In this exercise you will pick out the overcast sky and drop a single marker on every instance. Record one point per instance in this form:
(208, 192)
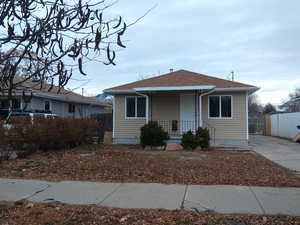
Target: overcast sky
(258, 39)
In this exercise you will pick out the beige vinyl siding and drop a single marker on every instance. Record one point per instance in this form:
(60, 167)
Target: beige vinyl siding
(125, 128)
(165, 107)
(229, 129)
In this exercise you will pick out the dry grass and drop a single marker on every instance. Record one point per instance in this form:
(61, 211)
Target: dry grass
(62, 214)
(130, 164)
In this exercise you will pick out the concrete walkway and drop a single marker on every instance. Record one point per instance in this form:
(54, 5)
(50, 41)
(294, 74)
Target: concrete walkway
(283, 152)
(223, 199)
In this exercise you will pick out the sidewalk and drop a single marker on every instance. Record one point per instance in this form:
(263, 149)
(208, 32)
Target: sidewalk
(220, 198)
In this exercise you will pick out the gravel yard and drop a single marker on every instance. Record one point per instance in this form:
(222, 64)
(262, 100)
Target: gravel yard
(61, 214)
(131, 164)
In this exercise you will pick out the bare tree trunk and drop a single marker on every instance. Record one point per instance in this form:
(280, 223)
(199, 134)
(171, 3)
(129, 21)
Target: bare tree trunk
(10, 96)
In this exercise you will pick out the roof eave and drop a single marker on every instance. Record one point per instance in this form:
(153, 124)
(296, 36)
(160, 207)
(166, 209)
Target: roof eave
(165, 88)
(181, 88)
(63, 99)
(250, 90)
(112, 92)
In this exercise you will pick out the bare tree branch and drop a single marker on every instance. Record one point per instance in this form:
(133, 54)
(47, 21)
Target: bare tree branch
(39, 38)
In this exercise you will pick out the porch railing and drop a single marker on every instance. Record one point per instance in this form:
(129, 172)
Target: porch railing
(176, 128)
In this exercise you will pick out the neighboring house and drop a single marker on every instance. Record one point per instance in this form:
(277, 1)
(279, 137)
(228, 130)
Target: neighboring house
(181, 101)
(292, 105)
(64, 104)
(104, 96)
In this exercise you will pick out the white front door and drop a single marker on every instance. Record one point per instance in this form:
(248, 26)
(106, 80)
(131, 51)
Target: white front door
(187, 112)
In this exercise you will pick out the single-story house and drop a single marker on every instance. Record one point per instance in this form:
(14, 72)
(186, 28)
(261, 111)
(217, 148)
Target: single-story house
(63, 103)
(181, 101)
(293, 105)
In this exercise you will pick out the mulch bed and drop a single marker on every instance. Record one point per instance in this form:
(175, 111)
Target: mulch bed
(123, 164)
(61, 214)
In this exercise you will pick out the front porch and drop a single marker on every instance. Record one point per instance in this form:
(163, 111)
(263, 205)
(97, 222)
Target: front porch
(177, 112)
(176, 128)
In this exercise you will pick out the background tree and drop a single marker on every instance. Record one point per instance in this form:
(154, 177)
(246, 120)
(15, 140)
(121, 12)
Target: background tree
(254, 106)
(294, 94)
(293, 102)
(269, 108)
(45, 40)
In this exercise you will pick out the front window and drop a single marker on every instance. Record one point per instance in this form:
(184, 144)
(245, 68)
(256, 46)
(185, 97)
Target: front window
(220, 106)
(47, 106)
(16, 104)
(135, 107)
(130, 107)
(4, 104)
(214, 106)
(71, 108)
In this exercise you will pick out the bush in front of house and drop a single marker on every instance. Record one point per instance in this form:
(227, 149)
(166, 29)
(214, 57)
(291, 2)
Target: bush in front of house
(189, 140)
(153, 135)
(27, 135)
(201, 138)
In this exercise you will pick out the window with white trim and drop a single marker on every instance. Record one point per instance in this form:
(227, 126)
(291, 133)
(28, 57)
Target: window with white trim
(71, 108)
(220, 106)
(135, 107)
(47, 105)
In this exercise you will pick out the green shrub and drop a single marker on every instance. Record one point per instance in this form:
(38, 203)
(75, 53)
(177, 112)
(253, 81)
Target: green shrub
(153, 135)
(192, 141)
(203, 137)
(189, 140)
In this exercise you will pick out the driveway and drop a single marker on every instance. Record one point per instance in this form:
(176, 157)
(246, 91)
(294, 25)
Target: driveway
(281, 151)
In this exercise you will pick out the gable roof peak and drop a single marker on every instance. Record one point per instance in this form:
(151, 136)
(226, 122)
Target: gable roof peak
(182, 78)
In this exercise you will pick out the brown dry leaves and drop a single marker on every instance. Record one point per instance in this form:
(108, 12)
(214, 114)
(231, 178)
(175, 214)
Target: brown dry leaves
(62, 214)
(131, 165)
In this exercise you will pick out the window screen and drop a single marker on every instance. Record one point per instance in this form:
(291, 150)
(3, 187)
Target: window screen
(141, 107)
(226, 106)
(130, 107)
(47, 106)
(16, 104)
(4, 104)
(135, 107)
(214, 106)
(71, 108)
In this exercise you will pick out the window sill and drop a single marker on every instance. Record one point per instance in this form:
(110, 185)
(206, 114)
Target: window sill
(135, 118)
(220, 118)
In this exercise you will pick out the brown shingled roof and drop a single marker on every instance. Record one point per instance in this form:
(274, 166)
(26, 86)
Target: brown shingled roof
(181, 78)
(64, 94)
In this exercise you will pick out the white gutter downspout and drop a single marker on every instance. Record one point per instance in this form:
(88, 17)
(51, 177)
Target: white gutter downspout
(200, 105)
(247, 116)
(114, 116)
(147, 105)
